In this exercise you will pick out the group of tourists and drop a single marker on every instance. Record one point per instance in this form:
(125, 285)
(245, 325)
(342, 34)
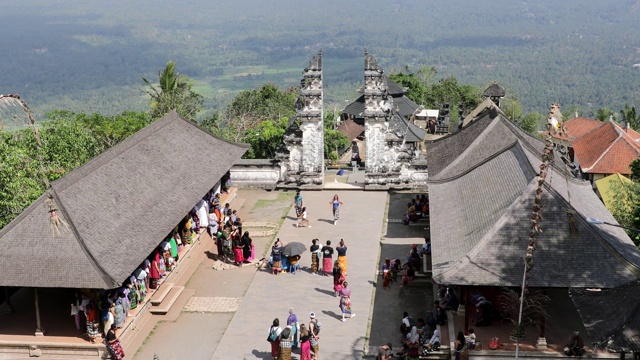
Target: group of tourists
(301, 210)
(295, 335)
(225, 227)
(101, 313)
(416, 209)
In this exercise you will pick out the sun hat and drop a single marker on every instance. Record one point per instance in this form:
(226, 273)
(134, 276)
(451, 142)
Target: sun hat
(312, 315)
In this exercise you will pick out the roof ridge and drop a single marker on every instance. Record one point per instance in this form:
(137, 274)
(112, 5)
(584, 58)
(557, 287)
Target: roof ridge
(105, 276)
(495, 155)
(585, 169)
(474, 145)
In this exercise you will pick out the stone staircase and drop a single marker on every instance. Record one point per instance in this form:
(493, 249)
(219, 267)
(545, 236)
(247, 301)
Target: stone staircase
(164, 298)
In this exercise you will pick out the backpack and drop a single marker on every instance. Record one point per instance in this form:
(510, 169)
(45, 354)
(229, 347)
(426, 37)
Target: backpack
(317, 327)
(273, 334)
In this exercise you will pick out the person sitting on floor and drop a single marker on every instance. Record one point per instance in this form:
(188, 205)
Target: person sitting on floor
(408, 275)
(471, 339)
(575, 346)
(410, 215)
(434, 342)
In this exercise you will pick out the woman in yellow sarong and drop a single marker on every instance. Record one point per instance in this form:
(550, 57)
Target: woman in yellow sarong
(342, 256)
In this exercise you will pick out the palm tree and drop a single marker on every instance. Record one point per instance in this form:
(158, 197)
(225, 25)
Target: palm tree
(603, 114)
(174, 93)
(629, 116)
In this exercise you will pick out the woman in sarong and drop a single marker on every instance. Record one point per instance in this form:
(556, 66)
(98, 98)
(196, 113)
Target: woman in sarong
(276, 257)
(285, 344)
(315, 256)
(238, 249)
(248, 246)
(335, 206)
(338, 278)
(327, 258)
(345, 301)
(341, 249)
(113, 344)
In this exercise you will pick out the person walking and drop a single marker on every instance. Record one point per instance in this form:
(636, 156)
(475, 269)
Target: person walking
(335, 206)
(341, 249)
(338, 278)
(315, 256)
(327, 259)
(297, 201)
(345, 301)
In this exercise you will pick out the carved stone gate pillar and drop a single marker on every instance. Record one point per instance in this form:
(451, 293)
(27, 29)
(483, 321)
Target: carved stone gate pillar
(377, 106)
(310, 115)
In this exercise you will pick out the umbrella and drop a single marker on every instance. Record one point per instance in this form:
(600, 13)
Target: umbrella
(293, 249)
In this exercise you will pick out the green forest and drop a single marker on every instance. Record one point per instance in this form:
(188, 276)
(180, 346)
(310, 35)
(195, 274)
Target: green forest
(90, 56)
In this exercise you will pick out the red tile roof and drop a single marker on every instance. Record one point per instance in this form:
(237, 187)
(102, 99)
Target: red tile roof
(579, 126)
(607, 149)
(350, 129)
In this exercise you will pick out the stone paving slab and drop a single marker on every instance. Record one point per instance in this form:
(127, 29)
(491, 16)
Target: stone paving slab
(269, 296)
(205, 304)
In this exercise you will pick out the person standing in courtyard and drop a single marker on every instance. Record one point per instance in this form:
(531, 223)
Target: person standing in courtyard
(285, 344)
(345, 301)
(315, 256)
(113, 344)
(305, 345)
(314, 335)
(341, 249)
(297, 200)
(274, 338)
(338, 278)
(327, 259)
(292, 321)
(335, 206)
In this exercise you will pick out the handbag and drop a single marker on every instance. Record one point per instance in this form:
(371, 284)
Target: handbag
(494, 343)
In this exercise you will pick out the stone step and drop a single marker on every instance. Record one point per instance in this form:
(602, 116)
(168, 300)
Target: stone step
(165, 306)
(31, 349)
(161, 293)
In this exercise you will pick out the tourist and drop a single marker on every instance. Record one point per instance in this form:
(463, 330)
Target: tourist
(109, 318)
(298, 203)
(412, 344)
(274, 338)
(315, 256)
(423, 330)
(451, 301)
(154, 270)
(314, 333)
(237, 248)
(434, 342)
(292, 321)
(305, 345)
(303, 220)
(338, 278)
(113, 344)
(386, 274)
(327, 261)
(276, 257)
(408, 275)
(341, 249)
(248, 252)
(213, 222)
(426, 247)
(575, 345)
(461, 350)
(345, 301)
(221, 237)
(407, 324)
(385, 352)
(471, 339)
(92, 322)
(285, 344)
(120, 314)
(335, 206)
(293, 263)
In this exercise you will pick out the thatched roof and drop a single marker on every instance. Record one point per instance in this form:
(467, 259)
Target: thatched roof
(119, 206)
(612, 316)
(494, 90)
(482, 183)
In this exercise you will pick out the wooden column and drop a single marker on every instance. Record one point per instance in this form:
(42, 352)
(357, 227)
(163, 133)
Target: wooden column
(465, 299)
(39, 330)
(8, 309)
(541, 344)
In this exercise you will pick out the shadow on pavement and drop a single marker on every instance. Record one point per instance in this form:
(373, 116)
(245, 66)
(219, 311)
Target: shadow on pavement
(262, 354)
(332, 314)
(327, 292)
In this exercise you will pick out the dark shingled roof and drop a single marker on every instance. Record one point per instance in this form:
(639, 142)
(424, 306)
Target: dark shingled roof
(394, 89)
(350, 129)
(400, 125)
(611, 316)
(481, 191)
(495, 90)
(119, 206)
(403, 104)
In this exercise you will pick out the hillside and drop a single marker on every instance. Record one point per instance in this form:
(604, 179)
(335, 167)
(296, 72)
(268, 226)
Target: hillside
(89, 56)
